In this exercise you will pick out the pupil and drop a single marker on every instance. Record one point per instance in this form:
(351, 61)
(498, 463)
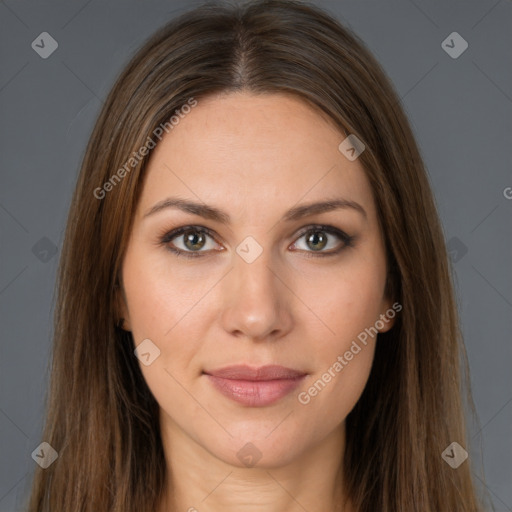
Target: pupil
(317, 239)
(194, 240)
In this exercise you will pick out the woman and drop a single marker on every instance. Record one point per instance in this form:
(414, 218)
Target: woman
(254, 306)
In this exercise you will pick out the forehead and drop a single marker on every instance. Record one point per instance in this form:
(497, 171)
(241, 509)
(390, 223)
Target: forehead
(244, 149)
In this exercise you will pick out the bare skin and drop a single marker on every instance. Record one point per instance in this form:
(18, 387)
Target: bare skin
(254, 158)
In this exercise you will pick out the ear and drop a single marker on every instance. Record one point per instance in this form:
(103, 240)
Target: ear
(121, 307)
(389, 311)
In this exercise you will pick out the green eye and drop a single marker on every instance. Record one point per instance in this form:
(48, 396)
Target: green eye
(197, 241)
(189, 241)
(318, 238)
(194, 240)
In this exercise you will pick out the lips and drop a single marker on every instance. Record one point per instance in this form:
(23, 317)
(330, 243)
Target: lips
(255, 387)
(243, 372)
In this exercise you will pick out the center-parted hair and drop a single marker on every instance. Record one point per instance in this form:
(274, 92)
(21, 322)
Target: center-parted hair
(101, 417)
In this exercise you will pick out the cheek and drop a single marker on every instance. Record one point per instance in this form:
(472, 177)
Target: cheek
(172, 308)
(159, 303)
(349, 303)
(343, 363)
(159, 297)
(349, 300)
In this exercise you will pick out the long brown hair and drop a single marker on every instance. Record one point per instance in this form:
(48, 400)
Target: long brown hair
(102, 418)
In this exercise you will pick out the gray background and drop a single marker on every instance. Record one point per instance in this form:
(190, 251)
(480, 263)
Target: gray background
(460, 110)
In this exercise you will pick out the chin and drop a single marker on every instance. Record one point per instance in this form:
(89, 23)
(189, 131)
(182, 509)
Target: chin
(256, 450)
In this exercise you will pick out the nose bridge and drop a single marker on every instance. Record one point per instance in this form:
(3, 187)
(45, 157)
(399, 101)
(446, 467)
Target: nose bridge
(255, 277)
(256, 303)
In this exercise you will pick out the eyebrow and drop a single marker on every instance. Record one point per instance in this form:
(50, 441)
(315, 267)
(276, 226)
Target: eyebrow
(295, 213)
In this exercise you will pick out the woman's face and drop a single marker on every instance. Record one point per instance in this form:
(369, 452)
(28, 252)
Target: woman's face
(260, 280)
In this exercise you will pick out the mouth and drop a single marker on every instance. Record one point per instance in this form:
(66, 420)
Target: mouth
(255, 387)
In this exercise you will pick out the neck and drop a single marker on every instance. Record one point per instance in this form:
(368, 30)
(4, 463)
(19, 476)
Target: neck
(197, 481)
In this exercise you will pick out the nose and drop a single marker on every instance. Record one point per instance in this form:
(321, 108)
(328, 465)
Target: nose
(256, 300)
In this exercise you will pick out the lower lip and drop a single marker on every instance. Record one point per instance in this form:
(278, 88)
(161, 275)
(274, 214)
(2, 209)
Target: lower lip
(255, 393)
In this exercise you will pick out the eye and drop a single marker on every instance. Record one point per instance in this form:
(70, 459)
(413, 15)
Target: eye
(197, 241)
(189, 241)
(322, 240)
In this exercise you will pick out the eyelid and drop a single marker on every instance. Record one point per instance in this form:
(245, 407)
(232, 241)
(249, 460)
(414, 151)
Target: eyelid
(346, 239)
(168, 236)
(323, 227)
(173, 233)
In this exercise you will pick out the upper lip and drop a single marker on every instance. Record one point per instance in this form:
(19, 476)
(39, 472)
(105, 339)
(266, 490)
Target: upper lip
(244, 372)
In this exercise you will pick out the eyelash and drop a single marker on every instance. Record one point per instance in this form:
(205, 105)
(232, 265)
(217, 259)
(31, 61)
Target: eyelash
(167, 237)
